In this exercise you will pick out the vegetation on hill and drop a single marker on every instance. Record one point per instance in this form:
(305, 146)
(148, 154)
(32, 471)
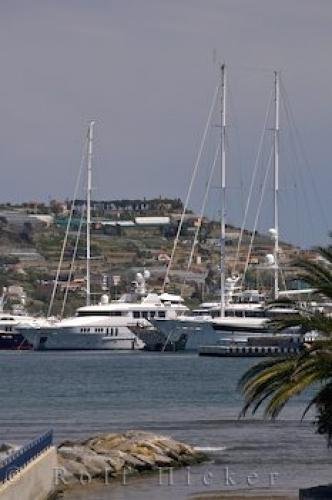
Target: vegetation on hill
(116, 250)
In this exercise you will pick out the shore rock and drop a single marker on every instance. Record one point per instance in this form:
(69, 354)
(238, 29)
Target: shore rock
(130, 452)
(7, 449)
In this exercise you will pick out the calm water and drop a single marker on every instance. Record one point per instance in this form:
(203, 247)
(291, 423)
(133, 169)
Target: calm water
(182, 395)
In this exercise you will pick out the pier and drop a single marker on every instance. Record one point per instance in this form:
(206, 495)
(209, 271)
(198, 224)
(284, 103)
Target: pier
(246, 351)
(28, 474)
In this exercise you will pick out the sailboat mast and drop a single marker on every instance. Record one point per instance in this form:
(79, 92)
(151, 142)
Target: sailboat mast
(88, 214)
(276, 185)
(223, 191)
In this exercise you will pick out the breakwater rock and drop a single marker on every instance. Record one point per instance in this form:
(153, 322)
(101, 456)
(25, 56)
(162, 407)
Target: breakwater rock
(7, 449)
(107, 456)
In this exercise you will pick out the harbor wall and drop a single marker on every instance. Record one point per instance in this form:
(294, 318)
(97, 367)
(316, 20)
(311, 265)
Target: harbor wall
(33, 482)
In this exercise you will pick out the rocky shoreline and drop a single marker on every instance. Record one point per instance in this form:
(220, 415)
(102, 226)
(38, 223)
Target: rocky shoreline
(109, 456)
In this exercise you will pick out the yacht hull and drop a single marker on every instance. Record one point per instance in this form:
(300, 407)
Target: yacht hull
(13, 341)
(156, 340)
(64, 340)
(197, 333)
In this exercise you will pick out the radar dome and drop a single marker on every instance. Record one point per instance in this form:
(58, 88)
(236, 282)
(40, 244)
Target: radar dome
(273, 233)
(269, 259)
(104, 299)
(146, 274)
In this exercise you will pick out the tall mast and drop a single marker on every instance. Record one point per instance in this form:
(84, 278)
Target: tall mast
(276, 186)
(223, 191)
(88, 214)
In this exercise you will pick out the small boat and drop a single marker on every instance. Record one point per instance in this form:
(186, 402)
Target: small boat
(10, 338)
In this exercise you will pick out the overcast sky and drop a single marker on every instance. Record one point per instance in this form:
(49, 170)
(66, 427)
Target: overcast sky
(146, 71)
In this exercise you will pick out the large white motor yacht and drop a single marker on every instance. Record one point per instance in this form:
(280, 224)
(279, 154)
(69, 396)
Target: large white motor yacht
(119, 324)
(137, 311)
(82, 333)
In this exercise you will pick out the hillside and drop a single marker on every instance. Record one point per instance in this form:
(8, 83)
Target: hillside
(123, 243)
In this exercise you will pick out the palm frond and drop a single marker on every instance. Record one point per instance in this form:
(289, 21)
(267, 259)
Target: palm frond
(323, 403)
(306, 321)
(274, 382)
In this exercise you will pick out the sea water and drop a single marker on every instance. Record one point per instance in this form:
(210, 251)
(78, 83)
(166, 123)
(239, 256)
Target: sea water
(191, 398)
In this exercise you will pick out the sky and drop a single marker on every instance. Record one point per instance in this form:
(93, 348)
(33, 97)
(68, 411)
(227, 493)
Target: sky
(146, 71)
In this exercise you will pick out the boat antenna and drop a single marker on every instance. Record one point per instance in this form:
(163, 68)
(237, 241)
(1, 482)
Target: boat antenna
(192, 180)
(276, 185)
(223, 190)
(88, 213)
(69, 221)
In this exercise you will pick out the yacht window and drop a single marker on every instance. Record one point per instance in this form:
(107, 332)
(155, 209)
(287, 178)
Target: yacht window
(255, 314)
(136, 314)
(162, 314)
(152, 314)
(99, 313)
(116, 332)
(145, 314)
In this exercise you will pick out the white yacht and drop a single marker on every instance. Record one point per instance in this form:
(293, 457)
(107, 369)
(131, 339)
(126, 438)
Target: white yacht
(239, 314)
(138, 310)
(120, 324)
(252, 322)
(199, 325)
(82, 333)
(90, 329)
(10, 337)
(117, 325)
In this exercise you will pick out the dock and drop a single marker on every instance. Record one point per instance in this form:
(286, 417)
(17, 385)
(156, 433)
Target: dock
(246, 351)
(265, 346)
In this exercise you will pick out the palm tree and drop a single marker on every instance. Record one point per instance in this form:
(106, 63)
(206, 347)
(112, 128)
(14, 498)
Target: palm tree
(275, 381)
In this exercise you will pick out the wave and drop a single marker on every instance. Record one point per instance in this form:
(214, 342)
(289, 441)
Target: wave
(210, 448)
